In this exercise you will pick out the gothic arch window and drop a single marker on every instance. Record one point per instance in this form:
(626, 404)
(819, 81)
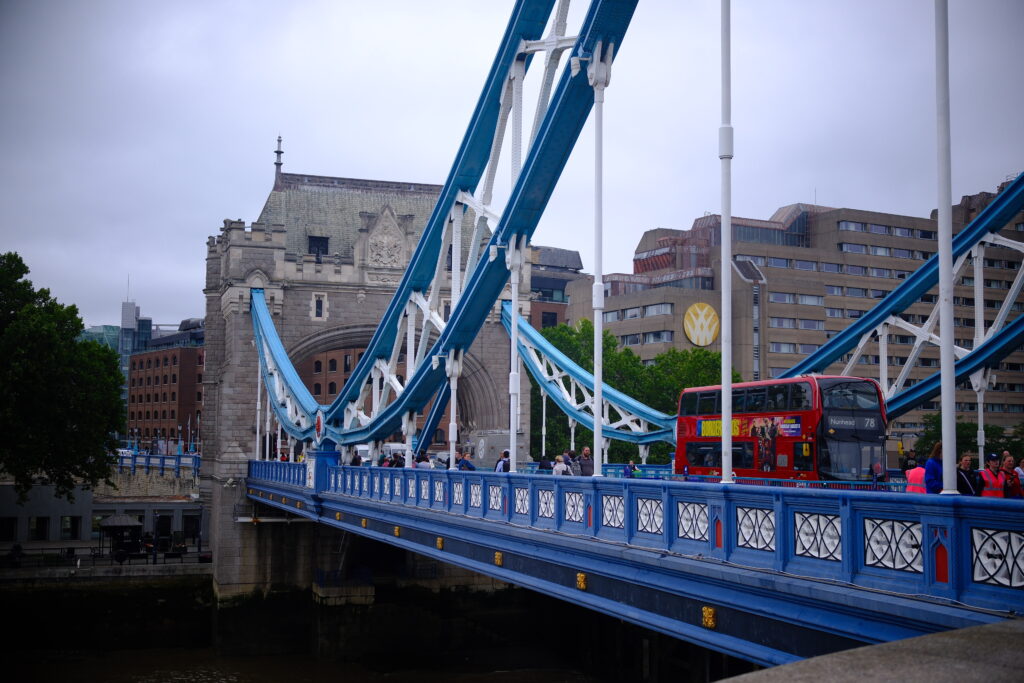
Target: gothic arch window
(316, 389)
(318, 367)
(332, 365)
(332, 388)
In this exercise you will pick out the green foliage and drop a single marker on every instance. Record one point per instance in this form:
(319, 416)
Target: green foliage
(996, 439)
(657, 385)
(61, 399)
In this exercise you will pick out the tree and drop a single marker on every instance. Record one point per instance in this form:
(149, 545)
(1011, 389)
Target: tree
(997, 439)
(657, 385)
(61, 399)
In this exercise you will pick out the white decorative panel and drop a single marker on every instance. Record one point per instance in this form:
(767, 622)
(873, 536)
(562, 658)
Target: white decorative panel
(522, 501)
(475, 495)
(424, 490)
(755, 528)
(438, 491)
(997, 557)
(613, 511)
(546, 503)
(650, 515)
(573, 506)
(412, 488)
(494, 497)
(457, 488)
(692, 520)
(893, 544)
(818, 536)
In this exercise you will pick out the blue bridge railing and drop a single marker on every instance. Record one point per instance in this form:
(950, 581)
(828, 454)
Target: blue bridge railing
(957, 548)
(160, 464)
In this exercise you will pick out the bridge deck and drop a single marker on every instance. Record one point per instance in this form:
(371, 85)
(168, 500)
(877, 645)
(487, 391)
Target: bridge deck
(769, 575)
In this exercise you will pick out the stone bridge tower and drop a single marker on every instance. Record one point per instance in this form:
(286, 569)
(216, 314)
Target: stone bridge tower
(329, 253)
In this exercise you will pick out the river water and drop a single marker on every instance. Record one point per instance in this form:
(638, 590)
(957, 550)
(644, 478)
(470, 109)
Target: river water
(205, 666)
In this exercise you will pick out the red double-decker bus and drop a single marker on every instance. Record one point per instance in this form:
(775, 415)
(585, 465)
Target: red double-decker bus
(808, 427)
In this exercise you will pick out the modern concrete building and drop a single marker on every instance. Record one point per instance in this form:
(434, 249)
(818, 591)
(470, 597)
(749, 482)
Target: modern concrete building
(551, 271)
(799, 278)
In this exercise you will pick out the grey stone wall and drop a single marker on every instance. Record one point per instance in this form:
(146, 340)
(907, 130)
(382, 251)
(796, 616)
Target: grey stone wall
(354, 297)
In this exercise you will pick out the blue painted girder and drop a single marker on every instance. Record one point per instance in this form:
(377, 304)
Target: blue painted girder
(666, 433)
(570, 105)
(526, 23)
(986, 355)
(992, 219)
(266, 333)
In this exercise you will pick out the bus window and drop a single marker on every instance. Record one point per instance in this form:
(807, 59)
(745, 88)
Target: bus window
(802, 458)
(756, 400)
(688, 404)
(850, 395)
(707, 403)
(800, 396)
(738, 396)
(710, 454)
(777, 396)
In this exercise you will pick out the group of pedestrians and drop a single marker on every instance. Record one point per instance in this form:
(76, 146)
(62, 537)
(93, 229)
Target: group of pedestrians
(999, 478)
(570, 464)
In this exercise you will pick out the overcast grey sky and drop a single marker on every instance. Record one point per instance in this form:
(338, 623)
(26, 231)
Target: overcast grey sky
(132, 129)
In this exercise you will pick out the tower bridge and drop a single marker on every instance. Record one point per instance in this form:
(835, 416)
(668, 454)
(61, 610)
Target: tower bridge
(416, 274)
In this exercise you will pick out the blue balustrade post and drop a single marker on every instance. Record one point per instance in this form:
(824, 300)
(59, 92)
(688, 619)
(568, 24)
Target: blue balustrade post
(177, 464)
(318, 464)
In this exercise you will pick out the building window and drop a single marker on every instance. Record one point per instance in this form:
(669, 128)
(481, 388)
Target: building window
(174, 396)
(318, 307)
(659, 337)
(348, 362)
(172, 413)
(806, 324)
(317, 389)
(149, 363)
(174, 378)
(881, 272)
(199, 396)
(548, 319)
(810, 300)
(8, 529)
(318, 367)
(781, 298)
(610, 316)
(853, 313)
(631, 340)
(782, 347)
(782, 323)
(776, 262)
(926, 234)
(805, 265)
(902, 253)
(38, 528)
(759, 260)
(879, 293)
(878, 229)
(902, 232)
(164, 399)
(318, 246)
(631, 313)
(332, 365)
(833, 290)
(70, 528)
(199, 360)
(199, 378)
(808, 349)
(856, 270)
(831, 267)
(858, 292)
(879, 251)
(834, 312)
(332, 388)
(851, 226)
(657, 309)
(853, 248)
(174, 361)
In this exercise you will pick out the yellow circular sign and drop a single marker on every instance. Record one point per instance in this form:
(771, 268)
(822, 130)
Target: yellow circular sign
(701, 324)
